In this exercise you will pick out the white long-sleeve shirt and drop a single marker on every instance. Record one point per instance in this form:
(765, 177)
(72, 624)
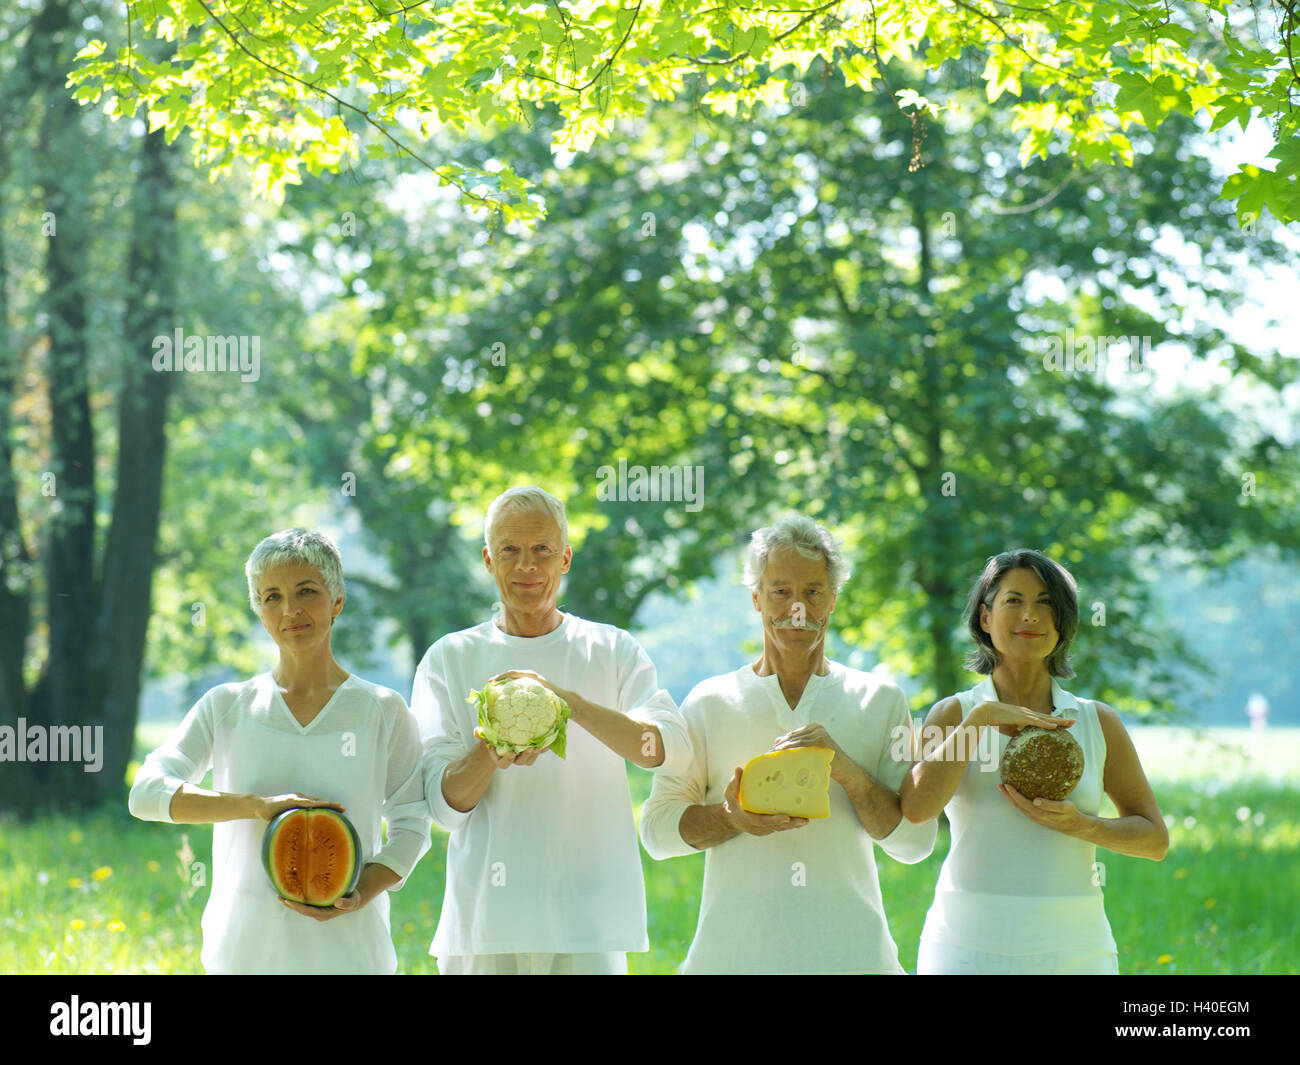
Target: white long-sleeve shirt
(805, 900)
(547, 861)
(362, 750)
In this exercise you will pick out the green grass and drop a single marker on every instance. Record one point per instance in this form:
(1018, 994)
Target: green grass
(109, 894)
(1218, 756)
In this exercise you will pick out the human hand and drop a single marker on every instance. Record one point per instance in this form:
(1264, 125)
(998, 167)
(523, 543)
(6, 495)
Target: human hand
(514, 674)
(1011, 719)
(1061, 816)
(347, 904)
(266, 808)
(814, 735)
(754, 824)
(504, 761)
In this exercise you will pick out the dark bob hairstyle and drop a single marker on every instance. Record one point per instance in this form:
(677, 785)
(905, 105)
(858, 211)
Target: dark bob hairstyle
(1061, 588)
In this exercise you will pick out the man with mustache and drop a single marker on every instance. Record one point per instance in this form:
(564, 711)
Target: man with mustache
(786, 894)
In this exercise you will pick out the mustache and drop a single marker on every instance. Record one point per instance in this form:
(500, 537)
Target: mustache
(788, 623)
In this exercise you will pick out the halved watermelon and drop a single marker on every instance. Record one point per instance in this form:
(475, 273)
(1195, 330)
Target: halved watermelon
(312, 855)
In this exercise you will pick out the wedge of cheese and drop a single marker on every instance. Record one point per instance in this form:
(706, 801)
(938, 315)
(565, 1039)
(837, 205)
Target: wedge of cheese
(796, 783)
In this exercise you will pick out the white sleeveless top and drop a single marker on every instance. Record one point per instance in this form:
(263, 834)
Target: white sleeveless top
(1009, 886)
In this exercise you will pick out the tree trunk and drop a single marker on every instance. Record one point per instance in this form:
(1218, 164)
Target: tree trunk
(15, 559)
(939, 513)
(129, 555)
(91, 678)
(61, 696)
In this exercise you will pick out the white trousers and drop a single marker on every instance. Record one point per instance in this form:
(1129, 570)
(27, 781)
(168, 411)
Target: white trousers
(609, 963)
(944, 959)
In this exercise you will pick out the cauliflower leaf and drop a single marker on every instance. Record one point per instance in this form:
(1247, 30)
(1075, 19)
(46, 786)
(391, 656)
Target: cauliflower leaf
(514, 715)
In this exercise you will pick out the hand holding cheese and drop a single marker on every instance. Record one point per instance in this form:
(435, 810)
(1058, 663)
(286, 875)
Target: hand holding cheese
(753, 824)
(795, 782)
(814, 735)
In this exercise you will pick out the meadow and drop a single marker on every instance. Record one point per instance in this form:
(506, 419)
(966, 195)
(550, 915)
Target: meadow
(108, 894)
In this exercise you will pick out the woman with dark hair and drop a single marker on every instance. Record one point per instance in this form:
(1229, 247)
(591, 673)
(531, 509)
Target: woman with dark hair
(304, 734)
(1019, 890)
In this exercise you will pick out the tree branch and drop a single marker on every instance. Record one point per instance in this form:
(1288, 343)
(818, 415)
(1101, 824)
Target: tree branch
(402, 148)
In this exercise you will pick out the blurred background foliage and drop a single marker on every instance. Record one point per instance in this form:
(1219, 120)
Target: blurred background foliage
(827, 307)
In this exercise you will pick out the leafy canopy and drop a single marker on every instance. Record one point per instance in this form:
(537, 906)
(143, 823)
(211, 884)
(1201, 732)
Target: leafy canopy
(288, 86)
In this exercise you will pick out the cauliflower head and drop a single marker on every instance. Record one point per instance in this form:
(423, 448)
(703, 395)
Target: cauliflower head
(514, 715)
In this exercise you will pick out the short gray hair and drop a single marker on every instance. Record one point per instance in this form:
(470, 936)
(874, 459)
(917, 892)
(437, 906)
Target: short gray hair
(528, 497)
(296, 546)
(811, 539)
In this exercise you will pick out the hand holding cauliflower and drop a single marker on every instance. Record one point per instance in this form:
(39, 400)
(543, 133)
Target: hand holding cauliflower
(519, 714)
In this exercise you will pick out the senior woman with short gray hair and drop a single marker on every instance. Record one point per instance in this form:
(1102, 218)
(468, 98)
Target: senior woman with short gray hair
(305, 734)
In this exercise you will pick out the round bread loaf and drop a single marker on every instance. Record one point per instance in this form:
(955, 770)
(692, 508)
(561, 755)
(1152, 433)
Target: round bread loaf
(1042, 763)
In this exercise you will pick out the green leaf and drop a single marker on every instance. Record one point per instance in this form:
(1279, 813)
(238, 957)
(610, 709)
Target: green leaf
(1151, 99)
(1002, 74)
(1255, 189)
(724, 103)
(1287, 154)
(1233, 108)
(859, 70)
